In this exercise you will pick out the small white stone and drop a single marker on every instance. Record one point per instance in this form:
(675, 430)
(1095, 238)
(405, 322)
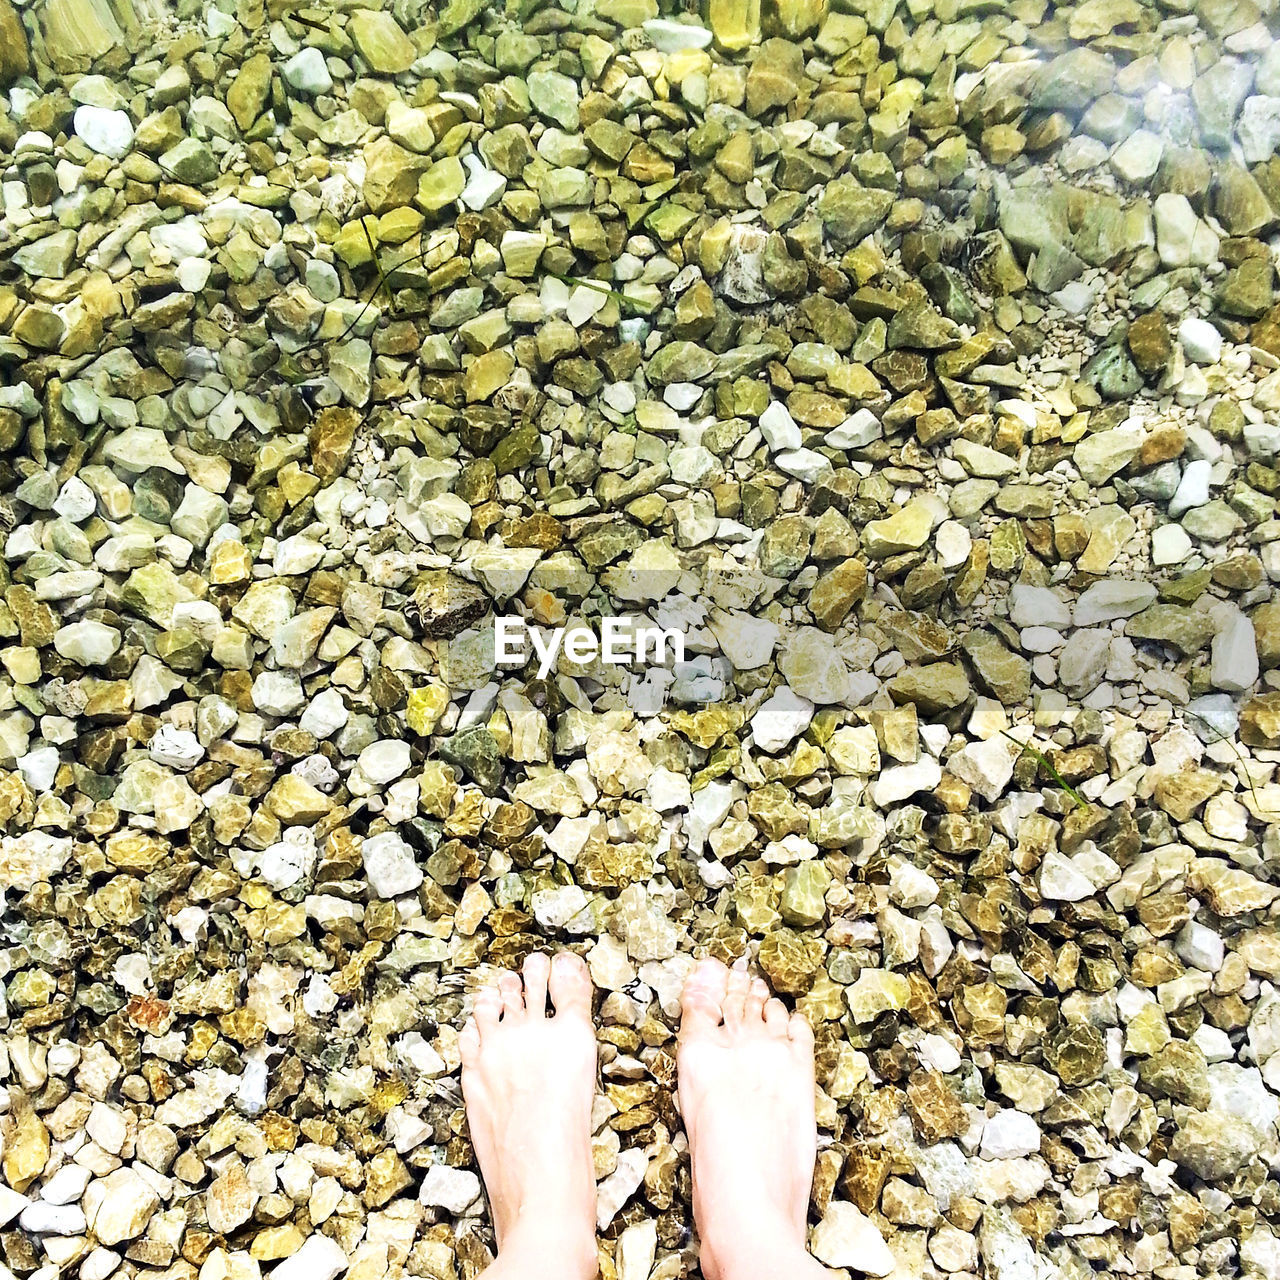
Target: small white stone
(1170, 544)
(1040, 639)
(99, 1264)
(75, 501)
(1010, 1135)
(67, 1185)
(191, 923)
(1214, 1043)
(681, 395)
(669, 791)
(87, 643)
(1037, 607)
(1061, 880)
(1075, 298)
(45, 1219)
(194, 273)
(939, 1054)
(277, 693)
(307, 72)
(1258, 128)
(1234, 655)
(1200, 947)
(175, 747)
(297, 555)
(119, 1206)
(691, 465)
(39, 768)
(671, 37)
(1226, 818)
(320, 1258)
(1182, 238)
(11, 1204)
(615, 1190)
(856, 431)
(781, 719)
(554, 908)
(986, 766)
(909, 886)
(805, 465)
(287, 861)
(384, 761)
(389, 865)
(953, 543)
(445, 1187)
(779, 428)
(637, 1246)
(900, 782)
(325, 714)
(109, 133)
(747, 641)
(319, 998)
(1261, 440)
(846, 1237)
(1193, 488)
(1201, 342)
(484, 187)
(620, 396)
(1137, 158)
(953, 1250)
(415, 1051)
(584, 302)
(1111, 599)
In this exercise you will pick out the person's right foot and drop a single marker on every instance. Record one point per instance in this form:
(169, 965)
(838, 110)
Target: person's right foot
(746, 1088)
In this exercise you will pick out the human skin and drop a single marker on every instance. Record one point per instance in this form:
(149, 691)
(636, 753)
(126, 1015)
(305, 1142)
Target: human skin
(746, 1093)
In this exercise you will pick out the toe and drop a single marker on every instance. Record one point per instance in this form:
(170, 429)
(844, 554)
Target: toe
(702, 1001)
(537, 968)
(469, 1043)
(735, 996)
(775, 1018)
(512, 990)
(801, 1032)
(570, 985)
(757, 996)
(488, 1009)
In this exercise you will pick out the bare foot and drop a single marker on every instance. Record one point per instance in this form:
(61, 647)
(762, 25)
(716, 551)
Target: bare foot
(746, 1094)
(528, 1081)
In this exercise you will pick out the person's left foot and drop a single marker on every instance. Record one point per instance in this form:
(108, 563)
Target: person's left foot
(528, 1081)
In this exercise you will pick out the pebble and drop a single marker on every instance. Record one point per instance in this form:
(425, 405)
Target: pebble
(1008, 1135)
(1193, 488)
(1201, 342)
(847, 1238)
(106, 132)
(319, 1258)
(390, 866)
(453, 1190)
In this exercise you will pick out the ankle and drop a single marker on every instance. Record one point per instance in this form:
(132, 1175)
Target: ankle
(543, 1247)
(766, 1260)
(759, 1244)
